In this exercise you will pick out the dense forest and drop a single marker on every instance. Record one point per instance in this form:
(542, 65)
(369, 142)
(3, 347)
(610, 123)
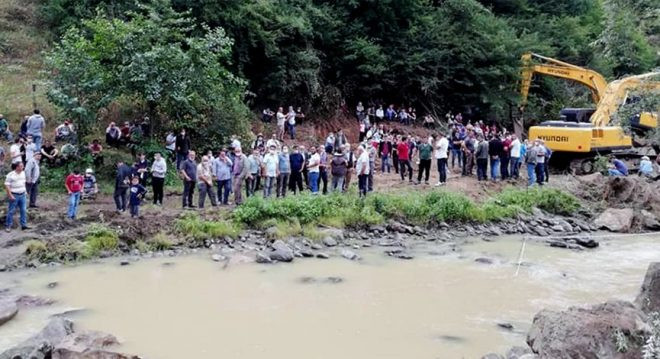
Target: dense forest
(205, 62)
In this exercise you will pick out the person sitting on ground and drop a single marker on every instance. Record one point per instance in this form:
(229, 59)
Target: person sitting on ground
(136, 133)
(429, 122)
(259, 141)
(620, 168)
(125, 133)
(267, 115)
(96, 150)
(64, 132)
(4, 129)
(68, 152)
(273, 141)
(112, 135)
(646, 167)
(90, 187)
(50, 153)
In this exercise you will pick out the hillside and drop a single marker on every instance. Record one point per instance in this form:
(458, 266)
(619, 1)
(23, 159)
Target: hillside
(23, 38)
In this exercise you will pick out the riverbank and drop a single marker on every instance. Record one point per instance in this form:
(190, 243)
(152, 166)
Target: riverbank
(561, 214)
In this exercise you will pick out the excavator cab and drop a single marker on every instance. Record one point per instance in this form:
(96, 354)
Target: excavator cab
(576, 115)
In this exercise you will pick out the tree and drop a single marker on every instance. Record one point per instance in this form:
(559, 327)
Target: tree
(158, 60)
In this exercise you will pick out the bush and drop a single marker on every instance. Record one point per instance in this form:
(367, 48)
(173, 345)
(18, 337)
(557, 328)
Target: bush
(432, 207)
(160, 242)
(192, 226)
(36, 249)
(100, 238)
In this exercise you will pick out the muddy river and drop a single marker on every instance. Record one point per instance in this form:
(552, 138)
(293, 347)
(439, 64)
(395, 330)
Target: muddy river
(435, 306)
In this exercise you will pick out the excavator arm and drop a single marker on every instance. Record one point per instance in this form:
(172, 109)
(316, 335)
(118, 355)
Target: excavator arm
(616, 93)
(555, 68)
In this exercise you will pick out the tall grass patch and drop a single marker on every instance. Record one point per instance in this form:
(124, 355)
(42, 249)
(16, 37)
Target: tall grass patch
(194, 227)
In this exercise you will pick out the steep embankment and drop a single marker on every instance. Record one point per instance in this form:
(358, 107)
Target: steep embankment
(23, 38)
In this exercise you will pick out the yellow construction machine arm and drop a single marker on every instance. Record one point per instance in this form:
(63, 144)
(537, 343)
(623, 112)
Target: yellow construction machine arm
(616, 93)
(551, 67)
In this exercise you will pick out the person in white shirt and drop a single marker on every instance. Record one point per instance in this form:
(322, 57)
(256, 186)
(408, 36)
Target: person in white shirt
(15, 151)
(291, 122)
(170, 143)
(515, 157)
(441, 149)
(235, 142)
(273, 142)
(16, 195)
(271, 164)
(380, 114)
(205, 182)
(281, 121)
(314, 170)
(158, 172)
(30, 148)
(362, 169)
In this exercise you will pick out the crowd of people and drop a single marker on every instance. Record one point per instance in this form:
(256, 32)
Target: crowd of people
(277, 166)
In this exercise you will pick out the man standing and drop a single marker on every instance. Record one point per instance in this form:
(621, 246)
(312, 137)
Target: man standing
(385, 152)
(425, 152)
(122, 183)
(504, 158)
(240, 172)
(441, 154)
(495, 149)
(323, 170)
(271, 169)
(281, 121)
(469, 148)
(362, 170)
(338, 168)
(313, 167)
(255, 168)
(32, 177)
(284, 164)
(35, 126)
(482, 159)
(515, 156)
(15, 151)
(372, 167)
(74, 185)
(182, 147)
(530, 161)
(158, 172)
(350, 164)
(404, 160)
(297, 162)
(291, 122)
(222, 172)
(205, 182)
(189, 174)
(540, 161)
(15, 188)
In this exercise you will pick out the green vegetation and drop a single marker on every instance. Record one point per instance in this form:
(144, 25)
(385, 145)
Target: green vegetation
(160, 242)
(194, 227)
(431, 207)
(36, 249)
(100, 238)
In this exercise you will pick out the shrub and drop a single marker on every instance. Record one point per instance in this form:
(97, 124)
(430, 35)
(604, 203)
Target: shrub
(100, 238)
(36, 249)
(192, 226)
(160, 242)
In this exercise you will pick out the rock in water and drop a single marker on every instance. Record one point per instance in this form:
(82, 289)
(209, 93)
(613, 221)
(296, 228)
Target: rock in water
(649, 220)
(8, 310)
(282, 252)
(263, 258)
(41, 345)
(517, 352)
(329, 241)
(588, 332)
(492, 356)
(649, 297)
(615, 220)
(350, 255)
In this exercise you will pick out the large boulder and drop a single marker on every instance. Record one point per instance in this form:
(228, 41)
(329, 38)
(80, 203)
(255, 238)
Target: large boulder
(649, 297)
(88, 345)
(615, 220)
(41, 345)
(649, 220)
(8, 310)
(282, 252)
(613, 330)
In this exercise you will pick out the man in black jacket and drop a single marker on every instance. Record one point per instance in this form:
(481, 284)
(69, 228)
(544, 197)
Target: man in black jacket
(182, 148)
(188, 172)
(122, 183)
(495, 149)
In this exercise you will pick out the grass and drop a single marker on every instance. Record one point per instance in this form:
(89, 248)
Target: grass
(22, 40)
(198, 229)
(100, 238)
(160, 242)
(420, 208)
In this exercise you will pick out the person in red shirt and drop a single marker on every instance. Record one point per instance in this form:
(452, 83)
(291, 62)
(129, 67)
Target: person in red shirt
(403, 150)
(74, 186)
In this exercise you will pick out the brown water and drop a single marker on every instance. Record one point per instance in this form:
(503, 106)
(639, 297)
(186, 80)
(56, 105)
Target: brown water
(430, 307)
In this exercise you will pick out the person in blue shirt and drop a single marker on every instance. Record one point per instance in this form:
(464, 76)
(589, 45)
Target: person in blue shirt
(137, 194)
(620, 168)
(646, 167)
(296, 162)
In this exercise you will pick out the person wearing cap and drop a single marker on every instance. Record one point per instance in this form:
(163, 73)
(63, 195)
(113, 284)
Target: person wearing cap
(90, 187)
(646, 167)
(32, 178)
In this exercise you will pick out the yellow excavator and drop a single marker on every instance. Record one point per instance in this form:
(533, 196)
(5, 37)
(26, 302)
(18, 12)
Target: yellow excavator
(583, 133)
